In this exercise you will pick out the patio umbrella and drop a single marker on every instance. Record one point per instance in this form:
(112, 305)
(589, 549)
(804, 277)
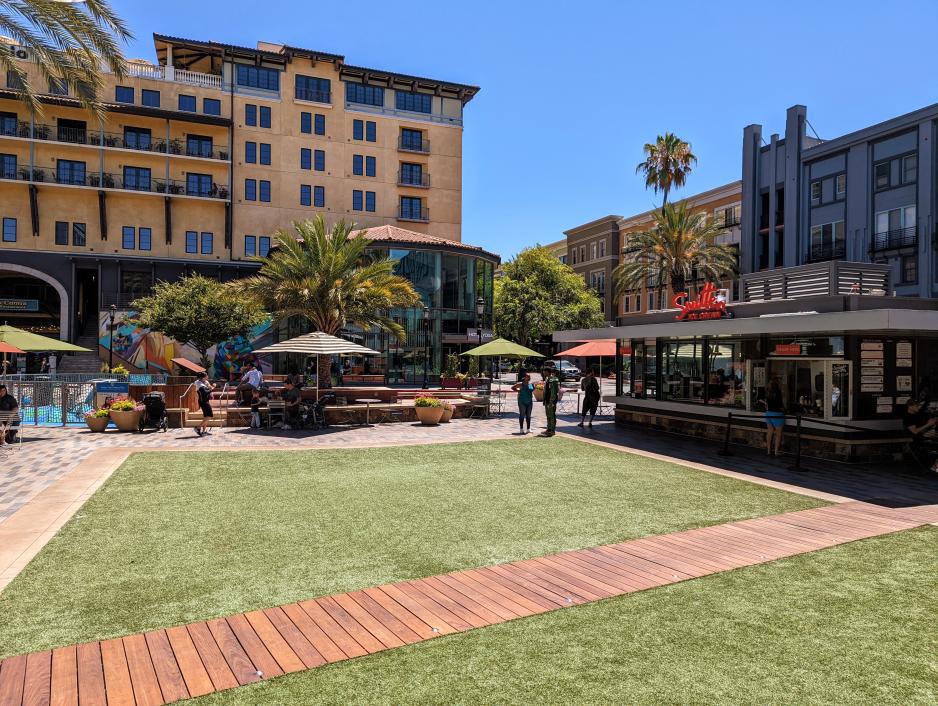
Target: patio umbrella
(318, 343)
(33, 342)
(600, 348)
(7, 348)
(503, 348)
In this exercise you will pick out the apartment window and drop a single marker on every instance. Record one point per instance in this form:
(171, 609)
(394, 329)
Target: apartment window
(198, 146)
(264, 190)
(265, 116)
(137, 178)
(319, 161)
(150, 98)
(265, 153)
(59, 87)
(582, 253)
(358, 129)
(187, 103)
(211, 106)
(840, 186)
(206, 243)
(306, 158)
(61, 233)
(895, 227)
(371, 131)
(370, 201)
(250, 246)
(411, 140)
(827, 241)
(881, 175)
(816, 191)
(250, 152)
(257, 77)
(592, 251)
(250, 114)
(357, 198)
(14, 81)
(412, 174)
(411, 208)
(358, 165)
(320, 124)
(311, 88)
(626, 304)
(319, 196)
(365, 95)
(909, 268)
(9, 230)
(129, 238)
(8, 124)
(414, 102)
(638, 302)
(144, 238)
(306, 195)
(7, 166)
(651, 301)
(137, 138)
(263, 245)
(124, 94)
(192, 242)
(79, 231)
(909, 168)
(602, 248)
(371, 168)
(250, 190)
(306, 123)
(199, 184)
(69, 172)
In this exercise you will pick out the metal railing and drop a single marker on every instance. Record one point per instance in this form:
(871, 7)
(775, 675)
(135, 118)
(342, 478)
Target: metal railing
(105, 180)
(122, 300)
(412, 145)
(413, 214)
(421, 180)
(894, 239)
(832, 278)
(827, 251)
(313, 94)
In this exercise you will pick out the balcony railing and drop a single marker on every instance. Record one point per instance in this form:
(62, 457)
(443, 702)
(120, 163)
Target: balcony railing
(421, 180)
(314, 95)
(157, 72)
(129, 141)
(413, 214)
(412, 145)
(895, 239)
(105, 180)
(827, 251)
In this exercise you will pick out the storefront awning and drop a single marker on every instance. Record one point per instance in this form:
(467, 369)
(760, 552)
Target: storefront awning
(869, 321)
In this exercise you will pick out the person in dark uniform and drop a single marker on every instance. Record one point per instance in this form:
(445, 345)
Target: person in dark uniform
(203, 389)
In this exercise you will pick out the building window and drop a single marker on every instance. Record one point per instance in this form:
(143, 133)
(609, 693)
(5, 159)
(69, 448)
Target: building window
(192, 242)
(265, 116)
(358, 165)
(306, 123)
(129, 238)
(211, 106)
(358, 129)
(909, 269)
(371, 168)
(592, 251)
(370, 201)
(150, 98)
(638, 302)
(306, 195)
(144, 238)
(574, 256)
(816, 191)
(311, 88)
(414, 102)
(363, 94)
(356, 200)
(319, 196)
(250, 114)
(602, 248)
(14, 81)
(626, 304)
(257, 77)
(198, 146)
(61, 233)
(411, 140)
(250, 152)
(319, 161)
(187, 103)
(881, 175)
(250, 246)
(250, 190)
(69, 172)
(207, 243)
(827, 241)
(198, 184)
(909, 168)
(320, 124)
(651, 301)
(371, 131)
(137, 178)
(9, 230)
(306, 158)
(138, 138)
(264, 190)
(124, 94)
(412, 174)
(263, 245)
(265, 153)
(59, 87)
(895, 228)
(8, 124)
(411, 208)
(7, 166)
(840, 186)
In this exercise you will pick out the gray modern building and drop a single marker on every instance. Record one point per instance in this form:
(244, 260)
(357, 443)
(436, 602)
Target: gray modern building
(868, 196)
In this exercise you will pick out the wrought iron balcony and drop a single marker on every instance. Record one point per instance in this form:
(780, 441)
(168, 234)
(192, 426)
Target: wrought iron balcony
(827, 251)
(895, 239)
(105, 180)
(409, 144)
(314, 95)
(421, 180)
(421, 215)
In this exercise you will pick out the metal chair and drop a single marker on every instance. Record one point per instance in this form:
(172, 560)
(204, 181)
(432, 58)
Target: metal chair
(391, 413)
(480, 407)
(276, 412)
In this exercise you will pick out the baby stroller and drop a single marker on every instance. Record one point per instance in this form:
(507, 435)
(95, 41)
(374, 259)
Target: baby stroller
(313, 415)
(154, 413)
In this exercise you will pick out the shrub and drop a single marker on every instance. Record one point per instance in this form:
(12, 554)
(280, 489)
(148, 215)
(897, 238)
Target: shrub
(451, 369)
(427, 401)
(474, 366)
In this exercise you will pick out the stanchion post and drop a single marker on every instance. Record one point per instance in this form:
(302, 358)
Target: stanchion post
(725, 451)
(797, 442)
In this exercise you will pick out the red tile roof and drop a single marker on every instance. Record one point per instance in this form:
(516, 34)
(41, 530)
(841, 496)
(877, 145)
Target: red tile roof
(393, 234)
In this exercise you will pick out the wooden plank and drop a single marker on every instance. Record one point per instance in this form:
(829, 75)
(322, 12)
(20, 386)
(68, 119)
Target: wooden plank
(350, 625)
(259, 655)
(536, 595)
(709, 563)
(608, 571)
(430, 612)
(197, 680)
(332, 629)
(516, 595)
(168, 674)
(554, 594)
(383, 633)
(90, 675)
(212, 659)
(239, 662)
(569, 593)
(12, 680)
(383, 616)
(302, 647)
(619, 552)
(64, 682)
(286, 658)
(596, 589)
(120, 691)
(613, 585)
(718, 556)
(637, 580)
(325, 645)
(142, 675)
(36, 690)
(498, 604)
(573, 587)
(420, 628)
(476, 615)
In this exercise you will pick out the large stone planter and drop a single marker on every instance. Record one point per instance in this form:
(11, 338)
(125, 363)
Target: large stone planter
(447, 414)
(126, 421)
(429, 416)
(97, 424)
(539, 394)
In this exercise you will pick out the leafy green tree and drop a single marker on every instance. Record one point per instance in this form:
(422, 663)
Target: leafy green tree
(199, 311)
(330, 278)
(70, 41)
(667, 163)
(679, 244)
(538, 295)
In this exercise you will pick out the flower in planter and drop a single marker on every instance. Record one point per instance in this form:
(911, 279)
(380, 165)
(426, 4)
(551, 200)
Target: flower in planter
(97, 414)
(427, 401)
(125, 404)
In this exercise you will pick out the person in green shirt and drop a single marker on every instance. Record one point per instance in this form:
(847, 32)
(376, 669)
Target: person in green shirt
(551, 395)
(525, 390)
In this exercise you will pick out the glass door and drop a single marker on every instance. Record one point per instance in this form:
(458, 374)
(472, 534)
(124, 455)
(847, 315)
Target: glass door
(838, 393)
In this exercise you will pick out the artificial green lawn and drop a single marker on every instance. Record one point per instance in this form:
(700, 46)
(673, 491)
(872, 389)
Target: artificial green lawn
(856, 624)
(177, 537)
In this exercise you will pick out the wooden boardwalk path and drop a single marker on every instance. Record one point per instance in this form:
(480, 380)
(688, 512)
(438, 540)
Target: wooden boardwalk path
(162, 666)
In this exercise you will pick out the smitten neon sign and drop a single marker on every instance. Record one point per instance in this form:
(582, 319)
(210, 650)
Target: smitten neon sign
(707, 305)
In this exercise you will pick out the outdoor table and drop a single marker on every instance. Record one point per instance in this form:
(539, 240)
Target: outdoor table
(368, 401)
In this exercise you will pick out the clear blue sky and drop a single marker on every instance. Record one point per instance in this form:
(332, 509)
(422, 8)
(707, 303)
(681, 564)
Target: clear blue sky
(571, 92)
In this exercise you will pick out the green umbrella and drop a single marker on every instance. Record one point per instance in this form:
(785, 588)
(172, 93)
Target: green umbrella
(503, 348)
(33, 342)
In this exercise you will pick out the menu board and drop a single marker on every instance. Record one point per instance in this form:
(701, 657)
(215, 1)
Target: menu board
(885, 377)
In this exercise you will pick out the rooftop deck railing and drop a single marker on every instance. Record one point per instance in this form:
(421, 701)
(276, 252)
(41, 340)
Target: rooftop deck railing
(895, 239)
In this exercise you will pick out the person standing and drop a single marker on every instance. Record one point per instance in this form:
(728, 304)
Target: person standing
(203, 389)
(551, 396)
(774, 417)
(590, 386)
(525, 390)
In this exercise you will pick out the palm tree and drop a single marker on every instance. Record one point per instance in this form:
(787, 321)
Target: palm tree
(680, 243)
(667, 163)
(330, 279)
(69, 41)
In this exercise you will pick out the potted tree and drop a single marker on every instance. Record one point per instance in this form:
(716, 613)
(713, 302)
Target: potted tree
(125, 413)
(473, 372)
(449, 379)
(429, 410)
(98, 419)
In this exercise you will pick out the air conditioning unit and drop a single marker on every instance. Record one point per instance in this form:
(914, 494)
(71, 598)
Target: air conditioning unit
(21, 52)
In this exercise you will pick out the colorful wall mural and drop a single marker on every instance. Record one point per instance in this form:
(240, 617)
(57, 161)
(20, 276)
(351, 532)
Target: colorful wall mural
(148, 350)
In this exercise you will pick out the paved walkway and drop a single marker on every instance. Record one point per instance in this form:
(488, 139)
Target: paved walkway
(180, 662)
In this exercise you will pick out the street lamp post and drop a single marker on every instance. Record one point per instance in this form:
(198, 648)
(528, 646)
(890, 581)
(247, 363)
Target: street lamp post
(426, 346)
(110, 339)
(480, 311)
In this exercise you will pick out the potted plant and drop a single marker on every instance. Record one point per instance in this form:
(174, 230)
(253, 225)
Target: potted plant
(98, 419)
(448, 410)
(473, 371)
(429, 410)
(449, 379)
(539, 391)
(125, 413)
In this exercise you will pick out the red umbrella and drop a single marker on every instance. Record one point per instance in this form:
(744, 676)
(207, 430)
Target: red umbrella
(7, 348)
(601, 347)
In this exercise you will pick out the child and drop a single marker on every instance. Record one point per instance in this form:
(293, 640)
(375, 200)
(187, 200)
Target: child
(257, 401)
